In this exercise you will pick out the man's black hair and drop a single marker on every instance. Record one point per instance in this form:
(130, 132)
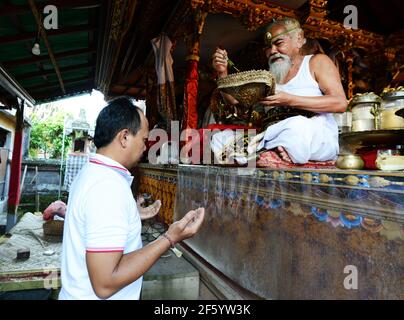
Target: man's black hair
(119, 114)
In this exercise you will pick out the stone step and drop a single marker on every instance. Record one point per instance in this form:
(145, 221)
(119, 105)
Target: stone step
(171, 278)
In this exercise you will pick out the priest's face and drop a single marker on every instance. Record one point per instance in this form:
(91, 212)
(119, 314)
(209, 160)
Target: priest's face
(283, 46)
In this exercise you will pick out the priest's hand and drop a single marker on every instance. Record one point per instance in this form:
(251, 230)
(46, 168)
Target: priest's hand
(280, 98)
(219, 62)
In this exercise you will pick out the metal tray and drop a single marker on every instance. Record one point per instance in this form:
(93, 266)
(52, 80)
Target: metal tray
(373, 138)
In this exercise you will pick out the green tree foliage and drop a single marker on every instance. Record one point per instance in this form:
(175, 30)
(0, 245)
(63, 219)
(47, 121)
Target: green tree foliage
(47, 136)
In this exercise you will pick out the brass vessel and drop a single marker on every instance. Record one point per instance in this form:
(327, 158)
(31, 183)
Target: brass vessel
(365, 111)
(350, 162)
(392, 109)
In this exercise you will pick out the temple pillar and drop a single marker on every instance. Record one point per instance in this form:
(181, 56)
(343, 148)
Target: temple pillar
(190, 114)
(15, 174)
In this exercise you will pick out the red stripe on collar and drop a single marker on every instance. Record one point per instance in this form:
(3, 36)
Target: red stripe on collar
(107, 165)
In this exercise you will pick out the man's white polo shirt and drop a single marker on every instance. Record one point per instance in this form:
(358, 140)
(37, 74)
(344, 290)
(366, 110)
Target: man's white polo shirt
(101, 216)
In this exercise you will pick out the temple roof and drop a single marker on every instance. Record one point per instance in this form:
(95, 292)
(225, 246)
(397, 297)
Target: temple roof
(73, 44)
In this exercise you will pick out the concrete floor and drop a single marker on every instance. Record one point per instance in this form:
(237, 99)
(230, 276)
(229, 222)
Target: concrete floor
(171, 278)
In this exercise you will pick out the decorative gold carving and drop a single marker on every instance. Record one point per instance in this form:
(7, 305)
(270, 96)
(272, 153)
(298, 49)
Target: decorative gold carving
(200, 17)
(297, 210)
(390, 53)
(316, 25)
(334, 213)
(352, 180)
(320, 4)
(316, 28)
(307, 177)
(392, 230)
(372, 225)
(194, 29)
(350, 82)
(119, 11)
(193, 46)
(324, 178)
(252, 14)
(163, 190)
(289, 176)
(256, 13)
(276, 174)
(192, 57)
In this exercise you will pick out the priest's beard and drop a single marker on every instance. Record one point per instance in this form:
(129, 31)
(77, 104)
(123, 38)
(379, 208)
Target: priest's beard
(279, 67)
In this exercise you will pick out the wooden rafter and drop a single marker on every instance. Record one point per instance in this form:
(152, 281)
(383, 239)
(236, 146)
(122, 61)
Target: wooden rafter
(45, 87)
(50, 72)
(67, 54)
(31, 35)
(11, 9)
(36, 73)
(44, 96)
(15, 20)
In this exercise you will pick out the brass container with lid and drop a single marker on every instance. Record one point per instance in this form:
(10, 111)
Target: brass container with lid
(392, 109)
(365, 111)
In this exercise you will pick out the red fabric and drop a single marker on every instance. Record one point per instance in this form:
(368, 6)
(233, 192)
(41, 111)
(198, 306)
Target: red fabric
(15, 175)
(58, 207)
(369, 157)
(190, 116)
(270, 159)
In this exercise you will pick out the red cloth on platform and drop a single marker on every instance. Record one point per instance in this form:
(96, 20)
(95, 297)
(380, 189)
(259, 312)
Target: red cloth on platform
(369, 156)
(270, 159)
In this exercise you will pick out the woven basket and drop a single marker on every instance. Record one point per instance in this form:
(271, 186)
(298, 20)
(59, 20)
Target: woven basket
(248, 87)
(53, 228)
